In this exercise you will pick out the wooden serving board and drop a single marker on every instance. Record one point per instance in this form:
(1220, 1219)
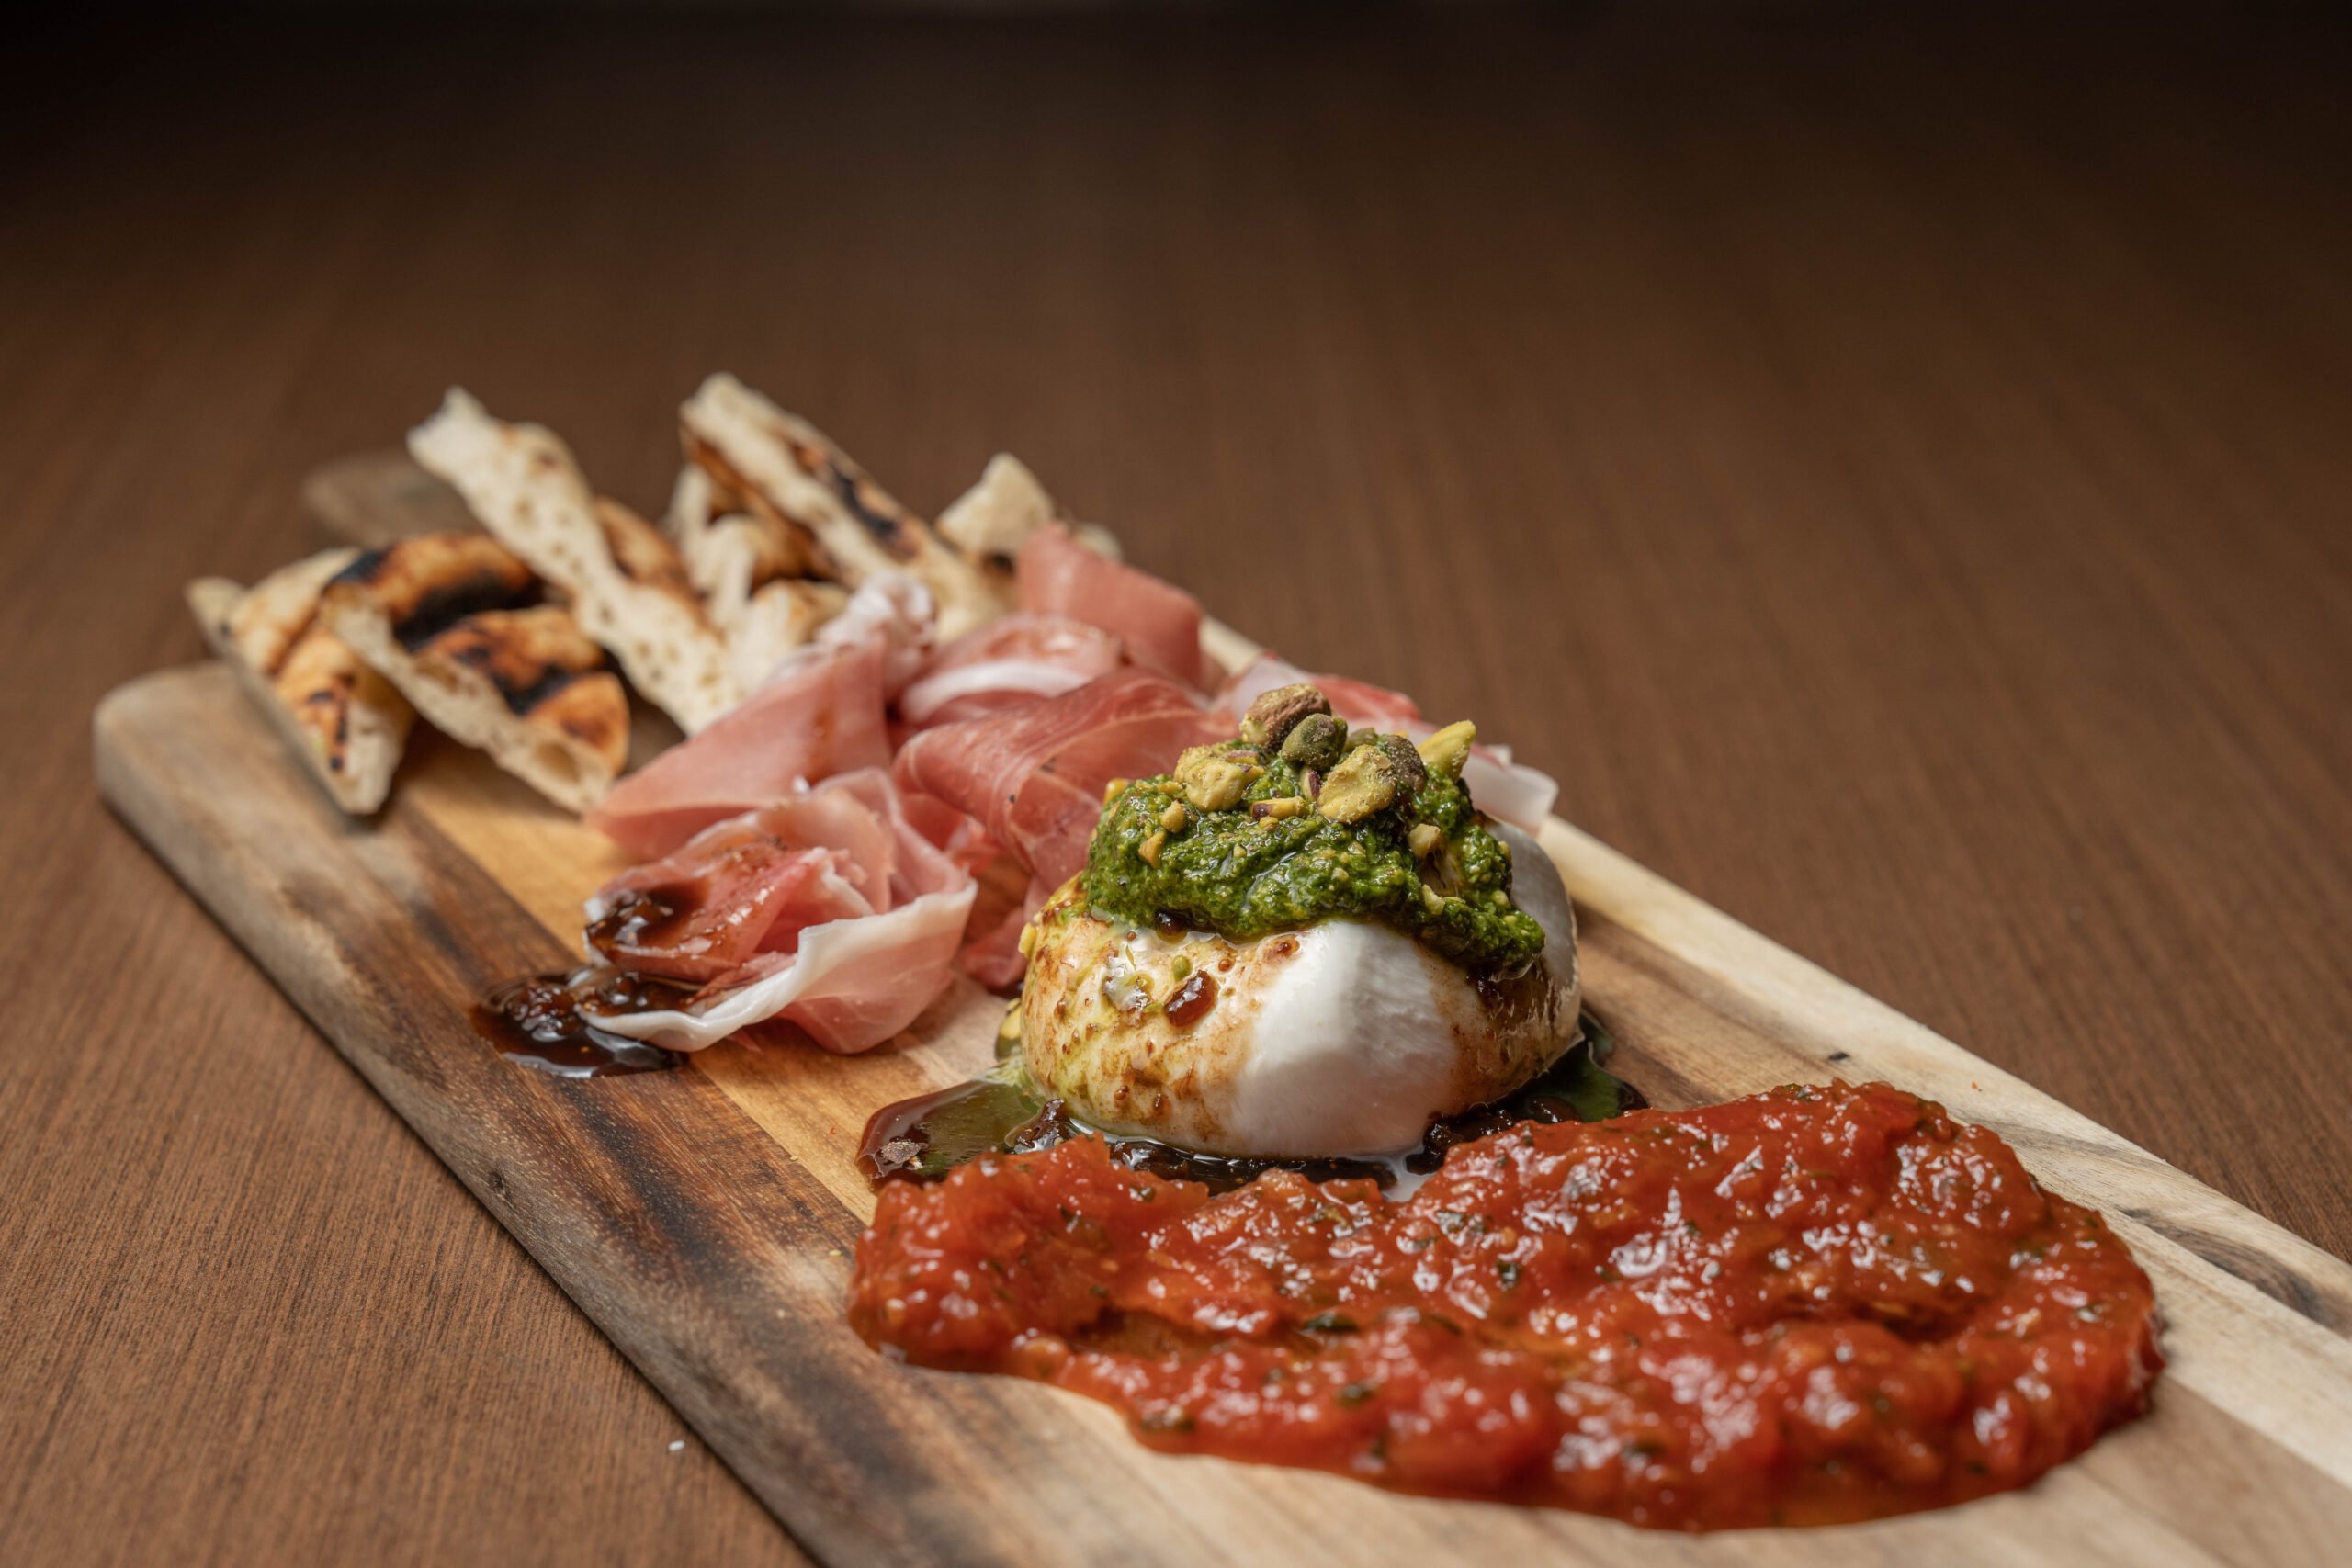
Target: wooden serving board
(704, 1217)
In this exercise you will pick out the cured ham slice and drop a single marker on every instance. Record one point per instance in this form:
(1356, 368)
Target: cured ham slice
(825, 908)
(1020, 659)
(1510, 791)
(993, 956)
(1161, 624)
(1358, 702)
(949, 831)
(1006, 898)
(825, 711)
(1033, 777)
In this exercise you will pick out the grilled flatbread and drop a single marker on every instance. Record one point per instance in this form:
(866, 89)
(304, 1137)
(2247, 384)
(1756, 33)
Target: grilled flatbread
(344, 720)
(992, 521)
(819, 503)
(778, 617)
(453, 620)
(730, 553)
(626, 584)
(743, 571)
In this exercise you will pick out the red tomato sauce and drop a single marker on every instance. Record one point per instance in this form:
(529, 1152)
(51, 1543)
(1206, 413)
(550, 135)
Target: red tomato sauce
(1811, 1306)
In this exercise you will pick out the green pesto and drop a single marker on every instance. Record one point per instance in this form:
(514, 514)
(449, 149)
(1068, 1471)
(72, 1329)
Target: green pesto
(1245, 876)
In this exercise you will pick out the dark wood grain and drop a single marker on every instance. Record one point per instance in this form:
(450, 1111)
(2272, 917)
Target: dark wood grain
(1896, 477)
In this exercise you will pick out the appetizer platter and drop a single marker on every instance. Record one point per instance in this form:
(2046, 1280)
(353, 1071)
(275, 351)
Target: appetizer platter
(1035, 1075)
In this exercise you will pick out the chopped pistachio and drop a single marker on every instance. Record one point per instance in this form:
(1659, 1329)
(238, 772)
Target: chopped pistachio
(1431, 900)
(1275, 714)
(1282, 805)
(1363, 737)
(1411, 772)
(1449, 747)
(1368, 779)
(1148, 851)
(1175, 818)
(1425, 837)
(1212, 777)
(1316, 742)
(1111, 790)
(1028, 938)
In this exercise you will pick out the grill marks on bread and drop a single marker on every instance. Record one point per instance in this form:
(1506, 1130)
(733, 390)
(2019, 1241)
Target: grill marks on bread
(500, 640)
(343, 719)
(747, 572)
(820, 505)
(459, 625)
(627, 582)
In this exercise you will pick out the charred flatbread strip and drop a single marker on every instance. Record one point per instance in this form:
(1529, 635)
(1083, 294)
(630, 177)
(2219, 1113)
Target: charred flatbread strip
(730, 553)
(626, 585)
(989, 521)
(783, 470)
(778, 617)
(746, 580)
(343, 719)
(454, 621)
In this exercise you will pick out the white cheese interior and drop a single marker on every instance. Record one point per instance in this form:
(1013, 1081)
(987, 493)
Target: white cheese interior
(1347, 1044)
(1350, 1051)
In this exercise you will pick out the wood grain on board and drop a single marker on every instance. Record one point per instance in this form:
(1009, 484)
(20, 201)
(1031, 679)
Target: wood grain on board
(703, 1217)
(1888, 463)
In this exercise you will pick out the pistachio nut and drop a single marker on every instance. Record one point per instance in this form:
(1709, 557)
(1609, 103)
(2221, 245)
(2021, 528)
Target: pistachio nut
(1214, 779)
(1316, 741)
(1447, 749)
(1275, 714)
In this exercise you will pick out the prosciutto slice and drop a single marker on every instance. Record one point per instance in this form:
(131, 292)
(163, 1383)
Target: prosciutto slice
(1033, 777)
(1511, 791)
(1161, 624)
(824, 711)
(1015, 660)
(993, 957)
(825, 908)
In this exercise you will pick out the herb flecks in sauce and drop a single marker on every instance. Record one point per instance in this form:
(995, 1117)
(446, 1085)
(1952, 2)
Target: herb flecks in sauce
(1809, 1306)
(1251, 836)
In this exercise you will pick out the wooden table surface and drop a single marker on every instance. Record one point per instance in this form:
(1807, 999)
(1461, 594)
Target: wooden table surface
(1899, 480)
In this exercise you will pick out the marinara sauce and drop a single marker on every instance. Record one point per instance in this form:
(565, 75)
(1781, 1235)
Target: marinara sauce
(1811, 1306)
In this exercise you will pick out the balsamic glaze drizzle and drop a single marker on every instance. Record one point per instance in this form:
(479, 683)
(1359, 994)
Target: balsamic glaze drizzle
(536, 1021)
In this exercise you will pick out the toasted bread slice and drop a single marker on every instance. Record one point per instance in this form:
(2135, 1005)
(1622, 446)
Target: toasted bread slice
(626, 584)
(783, 471)
(720, 542)
(344, 720)
(745, 579)
(454, 621)
(778, 617)
(989, 521)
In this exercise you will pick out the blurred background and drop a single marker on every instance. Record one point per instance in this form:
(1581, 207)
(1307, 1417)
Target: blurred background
(1890, 463)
